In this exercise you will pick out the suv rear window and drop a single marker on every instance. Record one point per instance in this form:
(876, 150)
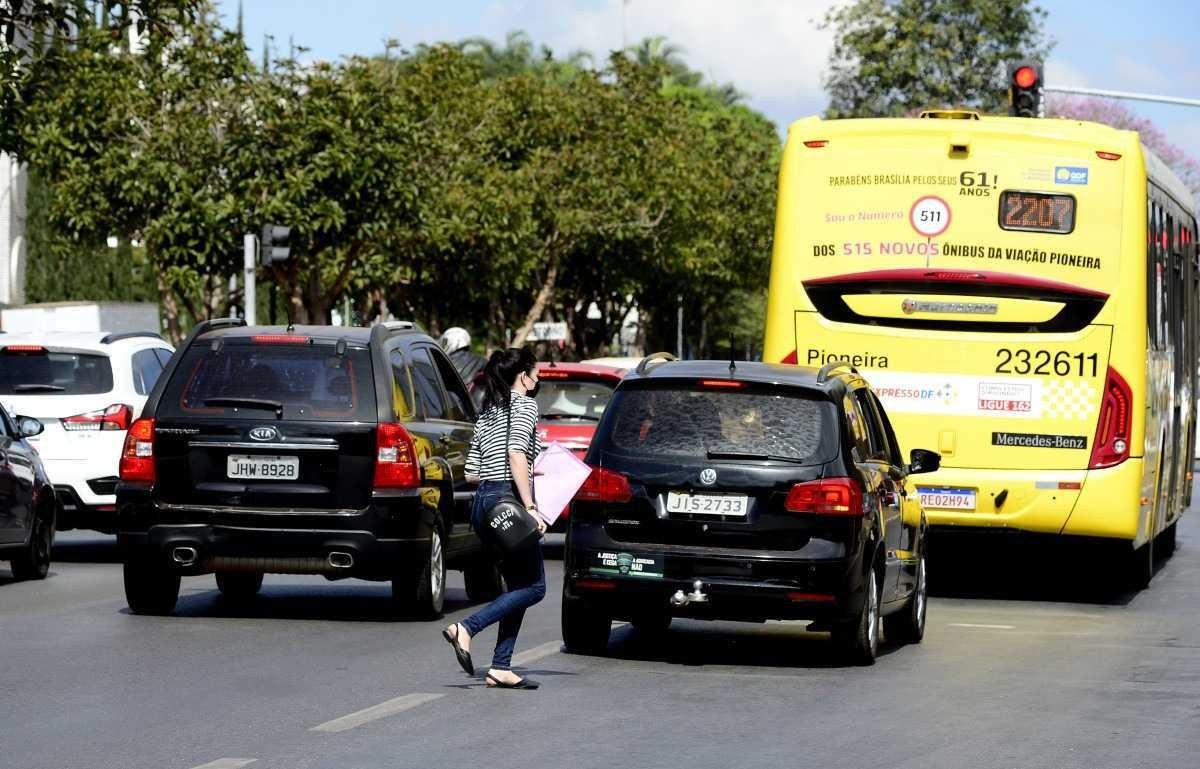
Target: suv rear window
(309, 382)
(54, 373)
(684, 421)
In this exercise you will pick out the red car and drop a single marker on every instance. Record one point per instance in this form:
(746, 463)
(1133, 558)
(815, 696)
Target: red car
(571, 398)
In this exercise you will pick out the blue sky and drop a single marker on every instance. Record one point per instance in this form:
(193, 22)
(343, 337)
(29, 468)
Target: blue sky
(769, 49)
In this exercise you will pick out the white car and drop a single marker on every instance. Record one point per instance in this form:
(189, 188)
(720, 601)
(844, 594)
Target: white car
(86, 389)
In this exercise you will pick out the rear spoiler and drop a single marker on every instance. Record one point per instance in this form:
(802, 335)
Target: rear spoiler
(1080, 305)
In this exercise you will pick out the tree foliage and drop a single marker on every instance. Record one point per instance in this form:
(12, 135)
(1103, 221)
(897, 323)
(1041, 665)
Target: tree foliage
(891, 57)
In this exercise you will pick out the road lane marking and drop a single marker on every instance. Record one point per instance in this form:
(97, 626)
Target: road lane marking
(382, 710)
(987, 627)
(226, 763)
(536, 653)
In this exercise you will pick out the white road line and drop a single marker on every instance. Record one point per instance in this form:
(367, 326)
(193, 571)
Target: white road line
(987, 627)
(226, 763)
(382, 710)
(536, 653)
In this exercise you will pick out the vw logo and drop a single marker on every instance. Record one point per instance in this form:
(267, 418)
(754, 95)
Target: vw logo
(266, 433)
(708, 476)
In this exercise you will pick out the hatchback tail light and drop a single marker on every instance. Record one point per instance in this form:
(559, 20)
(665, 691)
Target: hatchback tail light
(605, 486)
(396, 464)
(137, 458)
(1111, 445)
(828, 496)
(116, 417)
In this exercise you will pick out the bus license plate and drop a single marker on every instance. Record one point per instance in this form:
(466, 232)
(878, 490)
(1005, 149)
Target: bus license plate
(947, 499)
(263, 468)
(707, 504)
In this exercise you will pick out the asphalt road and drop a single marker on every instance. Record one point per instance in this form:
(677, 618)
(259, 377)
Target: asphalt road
(1035, 670)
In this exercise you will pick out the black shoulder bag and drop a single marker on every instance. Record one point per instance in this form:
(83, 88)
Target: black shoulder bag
(506, 525)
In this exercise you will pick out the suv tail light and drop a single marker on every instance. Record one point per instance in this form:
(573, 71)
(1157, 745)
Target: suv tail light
(605, 486)
(115, 417)
(137, 458)
(396, 458)
(828, 496)
(1111, 445)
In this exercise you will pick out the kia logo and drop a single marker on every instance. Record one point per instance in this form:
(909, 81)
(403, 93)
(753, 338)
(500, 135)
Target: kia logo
(708, 476)
(266, 433)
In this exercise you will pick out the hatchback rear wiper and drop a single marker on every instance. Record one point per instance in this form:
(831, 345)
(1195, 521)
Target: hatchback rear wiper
(38, 388)
(752, 455)
(254, 403)
(561, 415)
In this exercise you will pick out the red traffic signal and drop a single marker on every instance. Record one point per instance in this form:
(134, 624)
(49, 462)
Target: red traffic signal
(1025, 89)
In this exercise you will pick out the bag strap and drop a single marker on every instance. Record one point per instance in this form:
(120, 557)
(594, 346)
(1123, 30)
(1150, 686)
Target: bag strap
(508, 432)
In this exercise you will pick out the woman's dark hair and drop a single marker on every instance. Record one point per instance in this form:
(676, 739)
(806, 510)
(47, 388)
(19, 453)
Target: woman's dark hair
(501, 371)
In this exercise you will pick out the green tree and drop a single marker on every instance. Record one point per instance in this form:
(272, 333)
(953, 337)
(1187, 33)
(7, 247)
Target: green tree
(891, 57)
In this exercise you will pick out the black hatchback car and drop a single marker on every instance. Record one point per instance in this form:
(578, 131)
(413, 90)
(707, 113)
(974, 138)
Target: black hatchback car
(747, 491)
(306, 450)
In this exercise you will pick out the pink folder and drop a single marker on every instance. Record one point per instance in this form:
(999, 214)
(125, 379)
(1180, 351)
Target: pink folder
(558, 474)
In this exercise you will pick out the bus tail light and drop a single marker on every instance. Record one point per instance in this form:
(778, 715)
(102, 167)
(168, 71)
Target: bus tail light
(1111, 445)
(137, 458)
(605, 486)
(828, 496)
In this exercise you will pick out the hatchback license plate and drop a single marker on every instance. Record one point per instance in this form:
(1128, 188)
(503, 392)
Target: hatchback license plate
(947, 498)
(263, 468)
(707, 504)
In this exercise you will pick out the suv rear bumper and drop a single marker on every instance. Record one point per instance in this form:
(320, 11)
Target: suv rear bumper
(331, 553)
(747, 588)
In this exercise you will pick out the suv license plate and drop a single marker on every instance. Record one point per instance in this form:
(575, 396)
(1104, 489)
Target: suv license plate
(261, 468)
(707, 504)
(947, 499)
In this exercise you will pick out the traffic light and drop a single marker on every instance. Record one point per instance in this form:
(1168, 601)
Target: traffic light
(273, 247)
(1025, 89)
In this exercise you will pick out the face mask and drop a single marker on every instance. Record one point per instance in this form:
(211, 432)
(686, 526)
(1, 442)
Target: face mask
(533, 391)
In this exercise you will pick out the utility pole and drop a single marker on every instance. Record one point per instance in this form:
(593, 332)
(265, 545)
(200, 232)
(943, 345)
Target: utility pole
(679, 327)
(249, 264)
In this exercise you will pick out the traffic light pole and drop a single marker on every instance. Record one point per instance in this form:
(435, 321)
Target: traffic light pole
(249, 265)
(1122, 95)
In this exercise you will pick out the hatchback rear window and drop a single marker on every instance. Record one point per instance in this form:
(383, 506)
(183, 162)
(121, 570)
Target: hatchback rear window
(566, 399)
(707, 424)
(301, 382)
(54, 373)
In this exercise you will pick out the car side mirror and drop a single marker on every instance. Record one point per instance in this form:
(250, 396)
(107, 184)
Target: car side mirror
(923, 461)
(29, 427)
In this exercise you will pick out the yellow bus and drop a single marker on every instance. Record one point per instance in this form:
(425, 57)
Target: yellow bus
(1022, 294)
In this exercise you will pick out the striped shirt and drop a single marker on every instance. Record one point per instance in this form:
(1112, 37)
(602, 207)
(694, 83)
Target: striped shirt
(487, 457)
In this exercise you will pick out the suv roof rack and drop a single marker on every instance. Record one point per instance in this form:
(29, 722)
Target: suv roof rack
(829, 368)
(118, 336)
(644, 365)
(401, 325)
(205, 326)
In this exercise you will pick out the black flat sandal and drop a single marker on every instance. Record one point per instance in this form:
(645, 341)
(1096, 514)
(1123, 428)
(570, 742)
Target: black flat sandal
(464, 656)
(524, 683)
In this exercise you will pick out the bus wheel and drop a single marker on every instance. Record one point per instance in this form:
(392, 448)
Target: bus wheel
(1139, 567)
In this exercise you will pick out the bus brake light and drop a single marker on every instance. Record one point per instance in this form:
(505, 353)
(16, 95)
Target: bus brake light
(1111, 446)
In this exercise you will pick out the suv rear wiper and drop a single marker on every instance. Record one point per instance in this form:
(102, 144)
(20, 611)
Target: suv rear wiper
(36, 388)
(254, 403)
(752, 455)
(561, 415)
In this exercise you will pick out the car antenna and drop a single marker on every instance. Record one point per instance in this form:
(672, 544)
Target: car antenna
(732, 364)
(291, 326)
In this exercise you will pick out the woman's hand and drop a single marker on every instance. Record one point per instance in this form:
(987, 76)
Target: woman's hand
(541, 525)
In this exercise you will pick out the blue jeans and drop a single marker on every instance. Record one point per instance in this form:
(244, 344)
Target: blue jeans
(526, 577)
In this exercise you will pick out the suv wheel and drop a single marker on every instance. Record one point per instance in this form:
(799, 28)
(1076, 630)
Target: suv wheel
(858, 639)
(584, 629)
(34, 561)
(239, 585)
(483, 580)
(908, 626)
(422, 591)
(150, 589)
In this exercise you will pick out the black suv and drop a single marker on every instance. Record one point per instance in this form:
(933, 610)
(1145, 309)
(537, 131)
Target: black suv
(747, 491)
(306, 450)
